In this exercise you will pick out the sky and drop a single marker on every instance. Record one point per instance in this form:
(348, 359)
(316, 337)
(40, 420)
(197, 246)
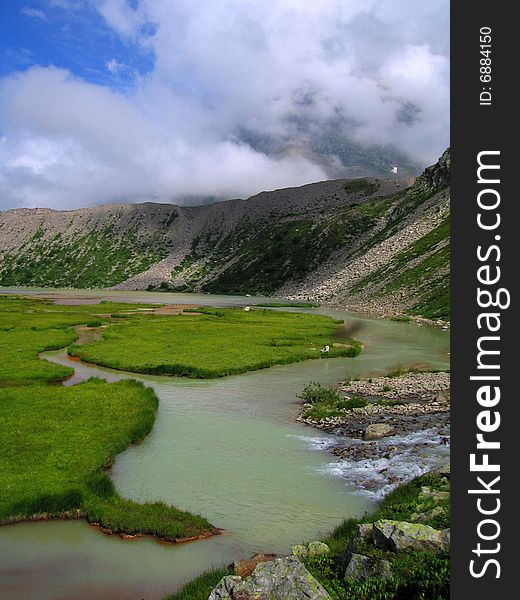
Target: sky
(105, 101)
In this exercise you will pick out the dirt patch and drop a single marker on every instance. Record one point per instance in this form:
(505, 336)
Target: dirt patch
(68, 300)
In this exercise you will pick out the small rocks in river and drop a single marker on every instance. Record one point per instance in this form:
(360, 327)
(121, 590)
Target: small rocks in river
(378, 430)
(400, 535)
(280, 579)
(362, 567)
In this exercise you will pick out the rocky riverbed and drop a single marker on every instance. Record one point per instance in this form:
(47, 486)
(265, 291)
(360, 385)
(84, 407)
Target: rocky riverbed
(402, 432)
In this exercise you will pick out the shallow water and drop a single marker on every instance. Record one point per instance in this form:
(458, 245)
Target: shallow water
(226, 448)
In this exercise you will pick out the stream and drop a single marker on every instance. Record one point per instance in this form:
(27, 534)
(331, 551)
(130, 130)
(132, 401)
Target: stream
(229, 449)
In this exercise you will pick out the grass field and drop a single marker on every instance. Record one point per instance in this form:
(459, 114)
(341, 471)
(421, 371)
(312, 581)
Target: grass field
(57, 442)
(214, 342)
(31, 326)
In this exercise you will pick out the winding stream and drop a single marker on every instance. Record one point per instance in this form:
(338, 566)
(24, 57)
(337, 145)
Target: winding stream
(229, 449)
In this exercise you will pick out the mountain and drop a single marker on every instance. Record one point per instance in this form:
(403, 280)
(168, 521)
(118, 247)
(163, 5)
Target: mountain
(370, 244)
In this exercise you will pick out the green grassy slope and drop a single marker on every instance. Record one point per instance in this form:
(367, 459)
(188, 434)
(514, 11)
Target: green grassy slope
(95, 259)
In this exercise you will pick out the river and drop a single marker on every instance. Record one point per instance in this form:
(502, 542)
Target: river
(229, 449)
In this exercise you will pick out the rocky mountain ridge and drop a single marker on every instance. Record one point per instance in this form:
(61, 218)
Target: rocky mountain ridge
(363, 243)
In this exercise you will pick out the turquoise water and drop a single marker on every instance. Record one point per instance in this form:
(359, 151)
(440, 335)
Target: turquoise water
(229, 449)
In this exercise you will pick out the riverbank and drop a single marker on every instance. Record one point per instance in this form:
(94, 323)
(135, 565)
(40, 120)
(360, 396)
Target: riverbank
(72, 434)
(270, 465)
(376, 419)
(400, 551)
(387, 429)
(58, 442)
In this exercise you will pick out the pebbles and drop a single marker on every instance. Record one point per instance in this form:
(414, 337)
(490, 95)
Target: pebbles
(409, 402)
(412, 437)
(421, 387)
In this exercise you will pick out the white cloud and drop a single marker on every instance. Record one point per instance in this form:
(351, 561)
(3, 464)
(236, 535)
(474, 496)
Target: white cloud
(33, 13)
(113, 66)
(239, 92)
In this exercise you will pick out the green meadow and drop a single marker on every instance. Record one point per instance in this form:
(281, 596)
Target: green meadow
(57, 442)
(214, 342)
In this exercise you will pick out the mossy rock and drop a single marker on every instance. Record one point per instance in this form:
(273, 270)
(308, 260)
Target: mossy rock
(401, 535)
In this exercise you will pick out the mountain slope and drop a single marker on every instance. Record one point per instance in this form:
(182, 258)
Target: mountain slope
(363, 243)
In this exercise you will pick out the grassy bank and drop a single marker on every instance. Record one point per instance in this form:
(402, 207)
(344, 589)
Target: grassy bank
(214, 342)
(326, 402)
(29, 326)
(57, 442)
(416, 575)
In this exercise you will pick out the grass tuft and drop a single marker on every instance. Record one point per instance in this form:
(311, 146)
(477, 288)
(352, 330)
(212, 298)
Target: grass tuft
(200, 587)
(327, 402)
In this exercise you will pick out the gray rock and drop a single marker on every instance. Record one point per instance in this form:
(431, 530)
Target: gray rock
(225, 588)
(364, 534)
(434, 494)
(280, 579)
(378, 430)
(300, 551)
(362, 567)
(317, 549)
(445, 471)
(428, 515)
(400, 535)
(311, 550)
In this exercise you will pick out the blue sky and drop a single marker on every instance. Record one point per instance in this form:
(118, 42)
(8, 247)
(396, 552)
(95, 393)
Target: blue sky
(171, 100)
(72, 36)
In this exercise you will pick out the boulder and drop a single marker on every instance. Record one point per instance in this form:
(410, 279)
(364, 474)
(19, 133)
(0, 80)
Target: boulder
(310, 551)
(226, 588)
(423, 517)
(364, 534)
(362, 567)
(400, 535)
(280, 579)
(439, 496)
(244, 568)
(378, 430)
(317, 549)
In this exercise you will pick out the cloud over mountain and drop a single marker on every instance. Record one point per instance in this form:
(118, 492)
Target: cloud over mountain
(242, 95)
